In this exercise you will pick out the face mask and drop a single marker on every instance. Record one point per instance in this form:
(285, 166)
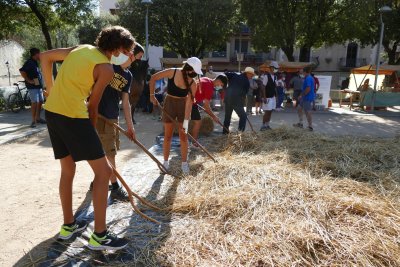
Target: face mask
(301, 76)
(283, 79)
(219, 87)
(192, 74)
(119, 60)
(275, 70)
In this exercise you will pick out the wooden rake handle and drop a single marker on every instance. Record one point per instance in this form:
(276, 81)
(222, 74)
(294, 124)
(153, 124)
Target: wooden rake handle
(188, 134)
(159, 164)
(213, 115)
(131, 194)
(251, 125)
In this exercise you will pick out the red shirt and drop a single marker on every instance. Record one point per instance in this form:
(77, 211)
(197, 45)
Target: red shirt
(205, 90)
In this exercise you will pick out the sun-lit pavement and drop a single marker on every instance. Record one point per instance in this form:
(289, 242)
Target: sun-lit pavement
(336, 121)
(14, 126)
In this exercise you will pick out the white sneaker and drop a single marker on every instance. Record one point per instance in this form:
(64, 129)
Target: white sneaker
(185, 168)
(166, 164)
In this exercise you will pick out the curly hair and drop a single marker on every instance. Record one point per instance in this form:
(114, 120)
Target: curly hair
(115, 37)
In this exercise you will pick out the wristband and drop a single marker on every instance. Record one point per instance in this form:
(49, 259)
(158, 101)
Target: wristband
(186, 125)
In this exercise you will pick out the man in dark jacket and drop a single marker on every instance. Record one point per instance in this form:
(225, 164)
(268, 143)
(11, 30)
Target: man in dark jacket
(33, 80)
(235, 95)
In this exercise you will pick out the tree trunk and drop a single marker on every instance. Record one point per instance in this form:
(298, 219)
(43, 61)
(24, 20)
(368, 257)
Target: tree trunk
(289, 52)
(45, 28)
(391, 51)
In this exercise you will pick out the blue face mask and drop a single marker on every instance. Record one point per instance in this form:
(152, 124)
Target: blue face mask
(218, 87)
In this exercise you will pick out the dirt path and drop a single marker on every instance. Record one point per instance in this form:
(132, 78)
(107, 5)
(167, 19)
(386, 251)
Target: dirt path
(29, 203)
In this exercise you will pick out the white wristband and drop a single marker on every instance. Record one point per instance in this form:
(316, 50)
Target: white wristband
(186, 125)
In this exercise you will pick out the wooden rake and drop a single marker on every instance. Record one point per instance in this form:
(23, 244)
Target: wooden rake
(188, 134)
(213, 115)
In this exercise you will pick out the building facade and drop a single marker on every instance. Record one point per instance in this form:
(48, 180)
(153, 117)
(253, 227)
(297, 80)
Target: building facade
(108, 6)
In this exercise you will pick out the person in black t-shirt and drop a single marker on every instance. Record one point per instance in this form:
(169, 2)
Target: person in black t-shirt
(118, 88)
(33, 80)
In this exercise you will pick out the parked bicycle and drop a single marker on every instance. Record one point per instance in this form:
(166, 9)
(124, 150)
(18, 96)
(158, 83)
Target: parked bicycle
(20, 99)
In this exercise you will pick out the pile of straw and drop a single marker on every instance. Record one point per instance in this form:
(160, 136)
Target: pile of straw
(289, 198)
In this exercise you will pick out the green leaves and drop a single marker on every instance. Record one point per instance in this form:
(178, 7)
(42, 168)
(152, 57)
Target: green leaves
(313, 23)
(185, 26)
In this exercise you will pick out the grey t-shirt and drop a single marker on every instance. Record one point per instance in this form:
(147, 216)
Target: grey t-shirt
(297, 83)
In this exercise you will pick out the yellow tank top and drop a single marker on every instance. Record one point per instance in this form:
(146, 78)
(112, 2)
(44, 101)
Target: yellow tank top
(74, 82)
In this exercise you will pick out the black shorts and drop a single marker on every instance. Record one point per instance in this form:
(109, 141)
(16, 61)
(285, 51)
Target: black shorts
(195, 113)
(159, 97)
(296, 94)
(75, 137)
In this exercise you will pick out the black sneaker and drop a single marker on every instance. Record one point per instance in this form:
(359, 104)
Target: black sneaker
(108, 242)
(33, 125)
(91, 187)
(298, 125)
(67, 232)
(42, 121)
(310, 128)
(119, 194)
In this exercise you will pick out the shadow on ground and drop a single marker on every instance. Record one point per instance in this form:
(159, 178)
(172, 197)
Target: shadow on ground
(146, 237)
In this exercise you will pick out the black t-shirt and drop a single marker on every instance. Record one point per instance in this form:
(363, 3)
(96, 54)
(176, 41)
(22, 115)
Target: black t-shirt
(31, 68)
(120, 83)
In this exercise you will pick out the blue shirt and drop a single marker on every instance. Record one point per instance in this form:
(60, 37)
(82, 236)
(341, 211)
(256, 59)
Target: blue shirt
(120, 83)
(31, 68)
(238, 86)
(308, 82)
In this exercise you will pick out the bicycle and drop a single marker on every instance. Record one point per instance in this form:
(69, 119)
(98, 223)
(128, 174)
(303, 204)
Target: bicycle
(16, 101)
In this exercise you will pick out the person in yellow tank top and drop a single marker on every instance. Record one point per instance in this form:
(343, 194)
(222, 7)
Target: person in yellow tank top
(71, 119)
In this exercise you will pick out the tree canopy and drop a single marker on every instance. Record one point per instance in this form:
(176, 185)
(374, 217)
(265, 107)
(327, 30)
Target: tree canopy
(366, 26)
(188, 27)
(49, 15)
(88, 30)
(296, 23)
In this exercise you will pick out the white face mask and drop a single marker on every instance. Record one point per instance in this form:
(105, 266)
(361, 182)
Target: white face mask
(301, 75)
(275, 70)
(119, 60)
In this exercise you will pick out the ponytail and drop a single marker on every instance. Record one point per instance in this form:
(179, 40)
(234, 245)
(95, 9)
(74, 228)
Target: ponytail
(185, 69)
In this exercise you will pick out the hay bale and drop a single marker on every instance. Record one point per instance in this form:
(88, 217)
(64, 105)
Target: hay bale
(206, 128)
(286, 198)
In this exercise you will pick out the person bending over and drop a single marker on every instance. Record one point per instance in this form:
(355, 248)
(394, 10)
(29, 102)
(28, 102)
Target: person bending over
(178, 104)
(71, 119)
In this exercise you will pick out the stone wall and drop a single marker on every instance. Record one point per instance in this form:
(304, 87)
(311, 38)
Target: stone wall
(11, 52)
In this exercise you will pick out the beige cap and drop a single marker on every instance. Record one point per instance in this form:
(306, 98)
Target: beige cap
(249, 70)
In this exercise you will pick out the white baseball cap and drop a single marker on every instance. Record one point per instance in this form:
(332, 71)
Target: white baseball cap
(249, 70)
(195, 63)
(274, 64)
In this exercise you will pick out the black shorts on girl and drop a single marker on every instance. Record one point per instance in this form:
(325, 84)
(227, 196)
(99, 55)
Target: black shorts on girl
(72, 136)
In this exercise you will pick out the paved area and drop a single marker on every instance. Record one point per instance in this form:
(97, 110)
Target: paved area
(336, 121)
(14, 126)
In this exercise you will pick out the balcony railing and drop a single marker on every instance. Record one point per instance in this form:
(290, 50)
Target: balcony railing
(347, 63)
